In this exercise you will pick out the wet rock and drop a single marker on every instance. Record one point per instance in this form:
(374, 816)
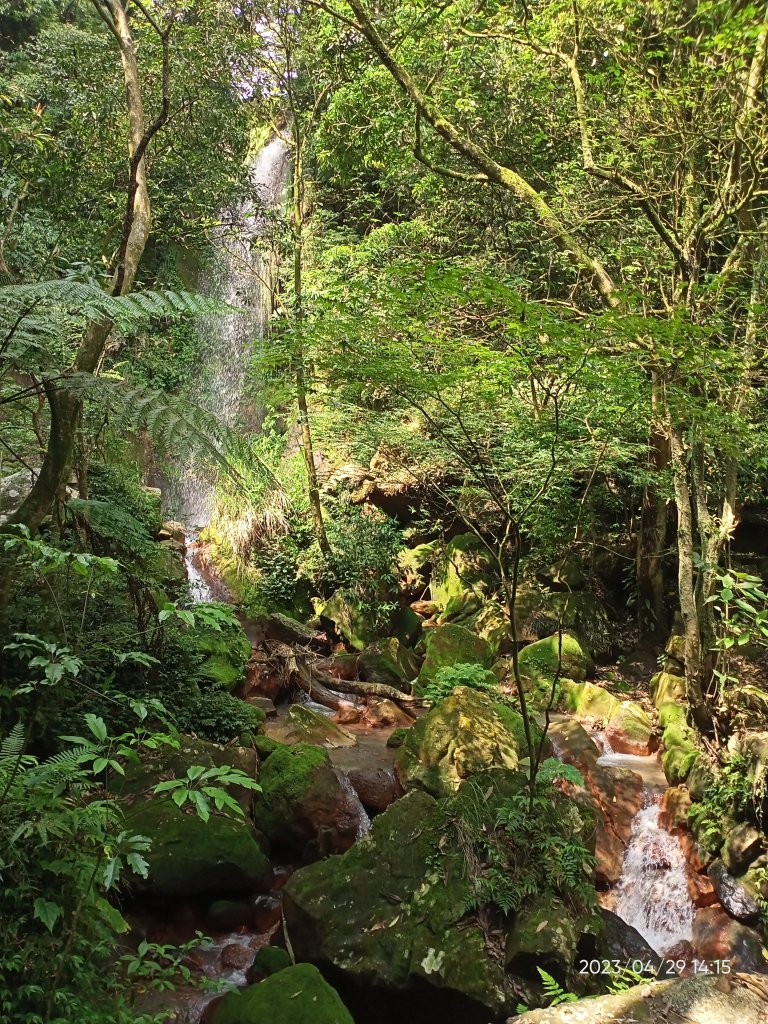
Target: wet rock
(616, 794)
(266, 705)
(396, 740)
(451, 645)
(675, 805)
(620, 941)
(268, 960)
(264, 911)
(389, 913)
(227, 915)
(630, 731)
(376, 787)
(742, 846)
(305, 801)
(305, 725)
(340, 665)
(735, 898)
(717, 937)
(700, 889)
(464, 734)
(698, 1000)
(235, 957)
(291, 996)
(383, 714)
(682, 956)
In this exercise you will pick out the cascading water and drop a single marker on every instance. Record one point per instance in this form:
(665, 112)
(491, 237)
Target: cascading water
(241, 276)
(652, 893)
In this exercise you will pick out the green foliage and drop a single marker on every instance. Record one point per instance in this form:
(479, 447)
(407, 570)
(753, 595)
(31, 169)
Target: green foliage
(502, 873)
(218, 716)
(203, 786)
(727, 799)
(450, 676)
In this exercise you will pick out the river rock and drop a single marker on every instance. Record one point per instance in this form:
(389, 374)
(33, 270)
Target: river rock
(464, 734)
(742, 846)
(305, 725)
(589, 701)
(380, 713)
(703, 999)
(376, 787)
(735, 898)
(451, 645)
(389, 914)
(235, 957)
(292, 996)
(616, 794)
(265, 911)
(620, 941)
(464, 572)
(717, 937)
(630, 731)
(305, 804)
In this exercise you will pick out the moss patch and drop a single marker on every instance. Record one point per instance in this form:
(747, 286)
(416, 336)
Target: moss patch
(296, 995)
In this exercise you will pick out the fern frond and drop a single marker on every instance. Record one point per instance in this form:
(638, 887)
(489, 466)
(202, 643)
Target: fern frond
(13, 744)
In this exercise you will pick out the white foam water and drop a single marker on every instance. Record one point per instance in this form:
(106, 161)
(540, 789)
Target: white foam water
(652, 892)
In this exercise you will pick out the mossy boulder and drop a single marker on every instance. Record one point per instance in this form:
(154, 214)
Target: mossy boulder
(464, 734)
(391, 662)
(679, 742)
(549, 662)
(295, 995)
(451, 645)
(343, 616)
(190, 856)
(305, 805)
(630, 730)
(390, 913)
(464, 568)
(587, 700)
(584, 614)
(305, 725)
(667, 688)
(407, 626)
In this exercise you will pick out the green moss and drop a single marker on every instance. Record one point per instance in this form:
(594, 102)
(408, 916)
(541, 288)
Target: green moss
(191, 856)
(465, 572)
(270, 960)
(550, 656)
(452, 645)
(667, 689)
(679, 742)
(589, 701)
(296, 995)
(264, 746)
(397, 738)
(390, 662)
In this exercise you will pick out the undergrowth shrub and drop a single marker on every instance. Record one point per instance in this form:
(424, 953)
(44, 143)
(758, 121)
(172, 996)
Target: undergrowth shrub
(218, 716)
(449, 677)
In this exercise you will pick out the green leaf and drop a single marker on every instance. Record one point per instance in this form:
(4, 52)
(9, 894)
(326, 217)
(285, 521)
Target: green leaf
(47, 912)
(97, 726)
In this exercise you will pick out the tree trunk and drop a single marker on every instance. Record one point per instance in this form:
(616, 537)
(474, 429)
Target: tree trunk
(651, 539)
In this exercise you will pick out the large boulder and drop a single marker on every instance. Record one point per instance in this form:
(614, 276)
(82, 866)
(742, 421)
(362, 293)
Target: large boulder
(717, 937)
(390, 662)
(703, 999)
(343, 616)
(451, 645)
(589, 701)
(464, 572)
(550, 661)
(463, 735)
(305, 805)
(679, 742)
(390, 914)
(734, 897)
(305, 725)
(190, 856)
(294, 995)
(630, 730)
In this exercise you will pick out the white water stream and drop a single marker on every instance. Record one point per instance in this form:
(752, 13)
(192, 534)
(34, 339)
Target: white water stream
(652, 893)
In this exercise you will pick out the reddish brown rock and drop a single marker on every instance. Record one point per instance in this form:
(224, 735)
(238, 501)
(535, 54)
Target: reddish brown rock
(681, 955)
(341, 666)
(426, 609)
(700, 889)
(718, 938)
(261, 679)
(376, 787)
(675, 805)
(385, 714)
(616, 793)
(630, 731)
(265, 911)
(235, 957)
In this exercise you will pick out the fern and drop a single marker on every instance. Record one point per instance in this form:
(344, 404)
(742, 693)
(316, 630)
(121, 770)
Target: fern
(113, 524)
(12, 746)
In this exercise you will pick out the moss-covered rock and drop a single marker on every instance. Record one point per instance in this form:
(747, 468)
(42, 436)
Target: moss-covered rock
(667, 689)
(343, 616)
(190, 856)
(464, 570)
(388, 661)
(630, 730)
(305, 804)
(407, 626)
(679, 743)
(296, 995)
(587, 700)
(390, 913)
(463, 735)
(451, 645)
(305, 725)
(566, 656)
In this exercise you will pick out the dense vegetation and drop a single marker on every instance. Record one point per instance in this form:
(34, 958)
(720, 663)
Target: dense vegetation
(506, 388)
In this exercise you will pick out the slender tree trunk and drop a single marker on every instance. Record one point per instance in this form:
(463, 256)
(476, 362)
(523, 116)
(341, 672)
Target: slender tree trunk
(300, 373)
(651, 539)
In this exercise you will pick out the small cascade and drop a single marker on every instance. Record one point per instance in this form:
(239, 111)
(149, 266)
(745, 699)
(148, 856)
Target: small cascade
(349, 789)
(652, 893)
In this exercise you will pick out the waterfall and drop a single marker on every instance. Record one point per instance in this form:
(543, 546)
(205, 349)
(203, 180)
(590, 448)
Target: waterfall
(240, 274)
